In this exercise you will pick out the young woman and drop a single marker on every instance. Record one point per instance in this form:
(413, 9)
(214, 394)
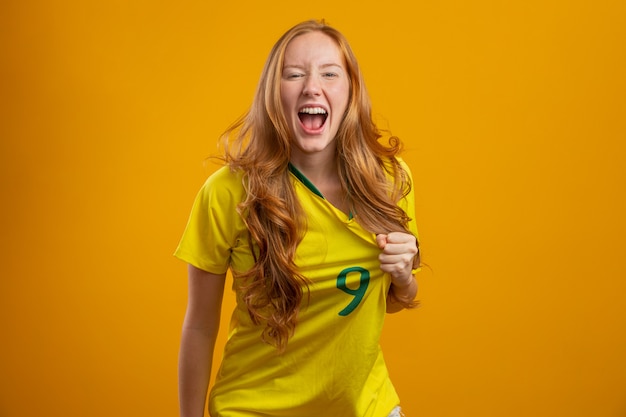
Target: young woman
(313, 215)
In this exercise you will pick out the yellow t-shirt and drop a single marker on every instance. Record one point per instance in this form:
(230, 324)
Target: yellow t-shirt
(333, 364)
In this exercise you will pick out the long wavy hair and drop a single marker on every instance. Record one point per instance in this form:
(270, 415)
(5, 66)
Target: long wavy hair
(259, 144)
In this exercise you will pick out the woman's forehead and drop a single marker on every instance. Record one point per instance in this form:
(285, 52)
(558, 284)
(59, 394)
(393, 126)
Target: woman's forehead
(313, 46)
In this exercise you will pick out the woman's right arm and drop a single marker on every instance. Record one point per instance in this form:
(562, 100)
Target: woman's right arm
(199, 332)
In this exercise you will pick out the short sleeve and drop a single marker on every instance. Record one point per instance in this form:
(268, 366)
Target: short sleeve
(408, 205)
(408, 202)
(214, 226)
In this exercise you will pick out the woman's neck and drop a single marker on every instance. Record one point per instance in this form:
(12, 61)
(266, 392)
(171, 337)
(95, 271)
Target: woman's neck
(320, 167)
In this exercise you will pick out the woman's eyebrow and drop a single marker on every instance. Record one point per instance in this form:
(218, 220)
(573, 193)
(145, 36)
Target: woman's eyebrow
(332, 64)
(297, 66)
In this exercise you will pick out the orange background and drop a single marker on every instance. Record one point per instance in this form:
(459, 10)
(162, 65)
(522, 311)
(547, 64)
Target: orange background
(514, 118)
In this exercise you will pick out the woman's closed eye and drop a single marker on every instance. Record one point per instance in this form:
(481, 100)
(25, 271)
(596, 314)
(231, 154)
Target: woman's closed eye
(293, 75)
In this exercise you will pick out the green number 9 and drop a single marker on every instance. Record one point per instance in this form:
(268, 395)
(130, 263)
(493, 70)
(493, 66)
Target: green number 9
(359, 292)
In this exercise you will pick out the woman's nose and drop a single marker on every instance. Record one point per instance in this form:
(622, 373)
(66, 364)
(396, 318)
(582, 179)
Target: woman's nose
(311, 86)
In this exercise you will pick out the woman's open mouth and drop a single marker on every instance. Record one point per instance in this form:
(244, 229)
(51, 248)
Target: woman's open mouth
(312, 118)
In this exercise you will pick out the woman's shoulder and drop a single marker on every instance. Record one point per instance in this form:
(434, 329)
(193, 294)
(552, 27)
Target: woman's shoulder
(225, 181)
(225, 174)
(391, 164)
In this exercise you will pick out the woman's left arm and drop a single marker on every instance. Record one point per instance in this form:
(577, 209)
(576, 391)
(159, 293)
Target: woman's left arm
(399, 251)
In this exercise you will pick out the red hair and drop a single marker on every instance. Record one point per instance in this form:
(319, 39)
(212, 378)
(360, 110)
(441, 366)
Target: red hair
(259, 144)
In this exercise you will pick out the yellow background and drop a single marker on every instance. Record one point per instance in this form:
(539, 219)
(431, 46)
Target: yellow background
(514, 118)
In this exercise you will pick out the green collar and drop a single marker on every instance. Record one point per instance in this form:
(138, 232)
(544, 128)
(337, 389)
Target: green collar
(304, 180)
(308, 184)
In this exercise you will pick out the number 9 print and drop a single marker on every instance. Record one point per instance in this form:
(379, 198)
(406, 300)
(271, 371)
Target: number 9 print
(359, 292)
